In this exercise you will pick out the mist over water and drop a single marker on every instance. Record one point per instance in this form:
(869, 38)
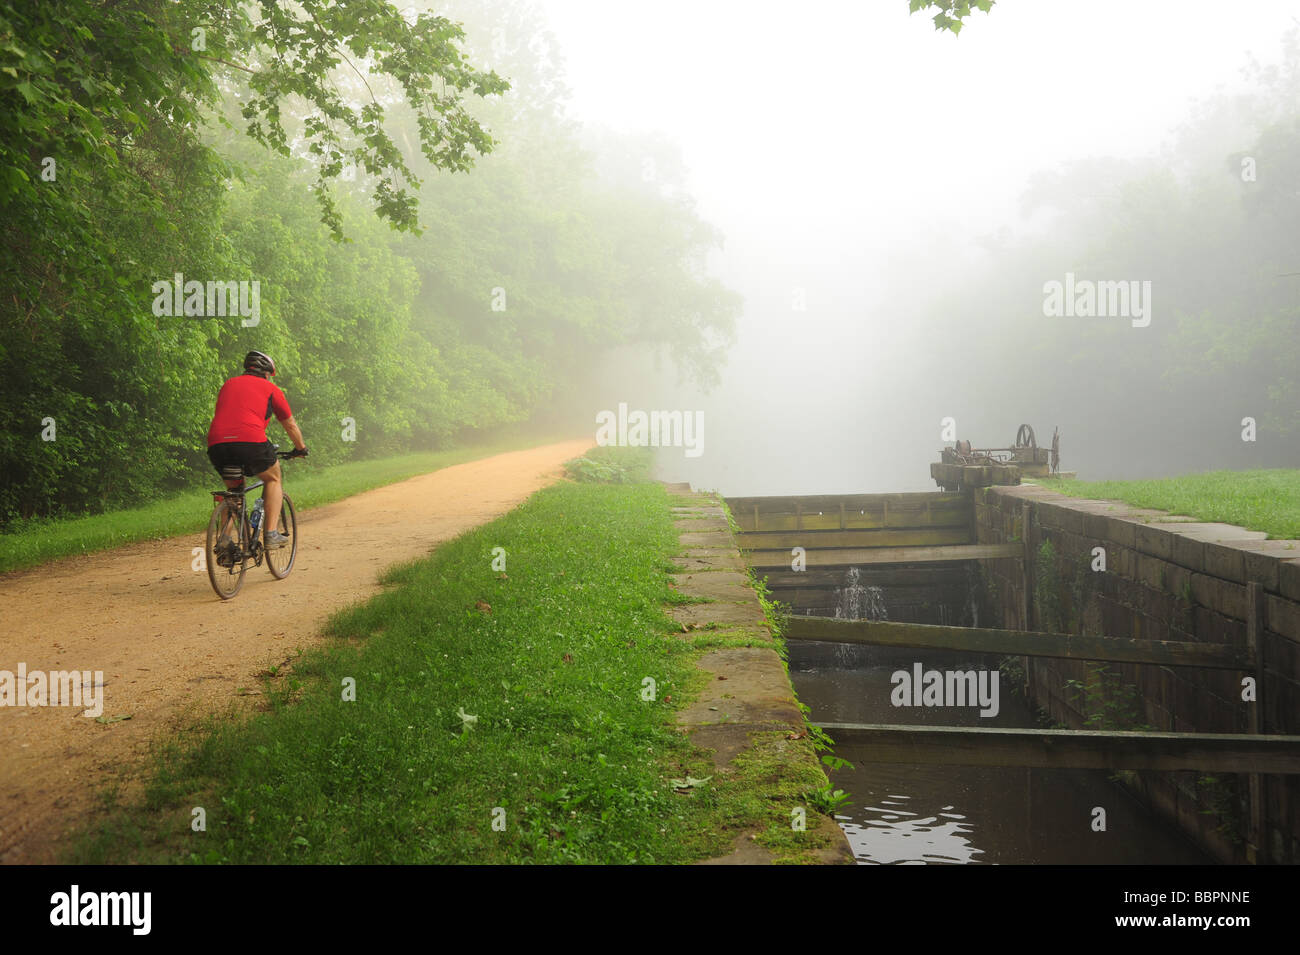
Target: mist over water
(893, 246)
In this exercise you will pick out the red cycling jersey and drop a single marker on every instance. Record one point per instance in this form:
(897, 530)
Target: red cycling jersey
(244, 408)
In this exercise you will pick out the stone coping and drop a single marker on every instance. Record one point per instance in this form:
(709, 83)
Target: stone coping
(1221, 550)
(749, 690)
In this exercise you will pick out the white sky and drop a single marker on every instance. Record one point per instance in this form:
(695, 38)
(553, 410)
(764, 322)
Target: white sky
(825, 139)
(793, 115)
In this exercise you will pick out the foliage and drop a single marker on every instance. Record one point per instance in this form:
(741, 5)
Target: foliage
(1226, 803)
(951, 14)
(822, 743)
(828, 799)
(1106, 701)
(776, 613)
(107, 187)
(1061, 589)
(1047, 595)
(611, 466)
(162, 167)
(88, 80)
(1012, 669)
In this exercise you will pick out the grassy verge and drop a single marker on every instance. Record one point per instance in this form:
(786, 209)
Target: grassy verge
(611, 465)
(1265, 500)
(188, 511)
(498, 718)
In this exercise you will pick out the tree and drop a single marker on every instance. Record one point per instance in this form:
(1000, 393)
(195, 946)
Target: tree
(396, 331)
(79, 80)
(107, 185)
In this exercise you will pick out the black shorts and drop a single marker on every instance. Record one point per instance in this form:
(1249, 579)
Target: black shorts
(253, 456)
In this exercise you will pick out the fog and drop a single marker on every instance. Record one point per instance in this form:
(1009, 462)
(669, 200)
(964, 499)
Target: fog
(893, 200)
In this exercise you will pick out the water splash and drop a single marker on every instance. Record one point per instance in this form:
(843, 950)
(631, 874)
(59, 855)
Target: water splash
(972, 605)
(853, 601)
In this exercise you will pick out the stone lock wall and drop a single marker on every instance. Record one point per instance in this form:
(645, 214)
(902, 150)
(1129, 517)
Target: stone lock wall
(1165, 578)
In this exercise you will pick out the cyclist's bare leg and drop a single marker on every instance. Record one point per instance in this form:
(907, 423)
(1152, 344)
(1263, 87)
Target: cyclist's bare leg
(273, 494)
(229, 528)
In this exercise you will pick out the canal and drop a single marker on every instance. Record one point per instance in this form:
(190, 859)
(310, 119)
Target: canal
(903, 814)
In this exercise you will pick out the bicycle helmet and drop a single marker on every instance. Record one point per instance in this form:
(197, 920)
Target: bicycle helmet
(259, 363)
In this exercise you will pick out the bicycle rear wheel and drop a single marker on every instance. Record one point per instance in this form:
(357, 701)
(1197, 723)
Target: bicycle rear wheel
(225, 542)
(279, 560)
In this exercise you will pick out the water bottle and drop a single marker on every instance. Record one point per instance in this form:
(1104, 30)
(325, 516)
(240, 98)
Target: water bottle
(256, 518)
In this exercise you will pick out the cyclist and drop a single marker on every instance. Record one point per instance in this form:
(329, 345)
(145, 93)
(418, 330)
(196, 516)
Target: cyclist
(237, 435)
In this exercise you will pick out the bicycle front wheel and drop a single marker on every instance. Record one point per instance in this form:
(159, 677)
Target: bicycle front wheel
(225, 554)
(279, 560)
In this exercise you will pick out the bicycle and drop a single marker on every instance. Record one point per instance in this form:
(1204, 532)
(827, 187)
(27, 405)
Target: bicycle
(227, 557)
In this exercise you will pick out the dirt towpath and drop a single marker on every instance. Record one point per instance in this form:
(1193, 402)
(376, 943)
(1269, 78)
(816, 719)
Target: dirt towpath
(171, 651)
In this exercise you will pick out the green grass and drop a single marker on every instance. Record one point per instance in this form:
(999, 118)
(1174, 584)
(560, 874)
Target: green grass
(1265, 500)
(188, 511)
(561, 739)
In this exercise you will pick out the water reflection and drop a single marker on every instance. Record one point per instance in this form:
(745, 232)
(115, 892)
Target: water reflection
(924, 814)
(892, 835)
